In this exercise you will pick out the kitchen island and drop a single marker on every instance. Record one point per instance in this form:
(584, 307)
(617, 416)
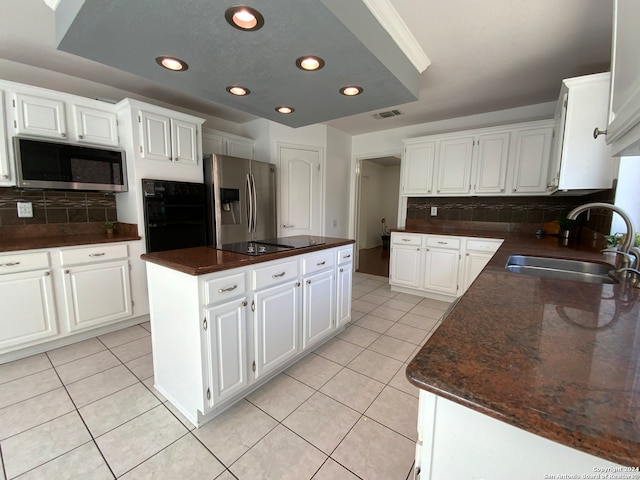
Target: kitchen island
(224, 323)
(531, 377)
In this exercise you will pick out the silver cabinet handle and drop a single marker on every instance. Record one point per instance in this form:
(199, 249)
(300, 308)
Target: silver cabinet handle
(278, 275)
(597, 132)
(347, 256)
(287, 226)
(406, 239)
(9, 264)
(228, 289)
(97, 254)
(321, 263)
(443, 243)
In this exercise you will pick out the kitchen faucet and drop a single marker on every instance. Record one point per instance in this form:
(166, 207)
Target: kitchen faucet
(625, 246)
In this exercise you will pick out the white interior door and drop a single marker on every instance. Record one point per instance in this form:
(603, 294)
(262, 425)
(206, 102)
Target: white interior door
(300, 191)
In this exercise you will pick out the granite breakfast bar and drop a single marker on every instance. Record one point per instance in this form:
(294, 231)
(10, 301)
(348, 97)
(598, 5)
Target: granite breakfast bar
(530, 376)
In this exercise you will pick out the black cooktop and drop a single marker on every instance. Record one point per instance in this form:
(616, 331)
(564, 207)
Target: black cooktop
(253, 248)
(294, 242)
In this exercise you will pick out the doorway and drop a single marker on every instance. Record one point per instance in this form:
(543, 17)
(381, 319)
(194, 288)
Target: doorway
(378, 185)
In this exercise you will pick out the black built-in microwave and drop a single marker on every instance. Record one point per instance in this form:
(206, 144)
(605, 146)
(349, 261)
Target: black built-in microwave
(64, 166)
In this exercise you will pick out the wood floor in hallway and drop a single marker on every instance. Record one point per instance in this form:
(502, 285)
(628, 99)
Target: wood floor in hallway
(374, 261)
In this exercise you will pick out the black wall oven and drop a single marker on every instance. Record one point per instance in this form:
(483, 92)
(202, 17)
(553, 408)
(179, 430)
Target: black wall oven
(174, 215)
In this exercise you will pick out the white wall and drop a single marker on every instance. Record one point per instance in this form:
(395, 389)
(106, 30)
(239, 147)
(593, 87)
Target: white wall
(338, 175)
(628, 193)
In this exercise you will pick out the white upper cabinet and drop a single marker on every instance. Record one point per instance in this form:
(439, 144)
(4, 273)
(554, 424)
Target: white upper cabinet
(490, 162)
(6, 176)
(454, 165)
(578, 160)
(623, 129)
(531, 159)
(39, 116)
(417, 168)
(168, 139)
(95, 126)
(222, 143)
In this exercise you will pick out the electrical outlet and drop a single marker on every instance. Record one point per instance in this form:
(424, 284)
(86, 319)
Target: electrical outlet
(335, 224)
(434, 211)
(25, 210)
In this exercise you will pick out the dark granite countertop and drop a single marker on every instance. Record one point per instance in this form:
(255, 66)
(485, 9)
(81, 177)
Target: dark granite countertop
(201, 260)
(557, 358)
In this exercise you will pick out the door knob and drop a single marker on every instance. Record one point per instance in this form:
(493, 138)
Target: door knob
(287, 226)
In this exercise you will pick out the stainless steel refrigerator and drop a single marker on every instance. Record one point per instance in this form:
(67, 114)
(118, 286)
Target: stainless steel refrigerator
(241, 200)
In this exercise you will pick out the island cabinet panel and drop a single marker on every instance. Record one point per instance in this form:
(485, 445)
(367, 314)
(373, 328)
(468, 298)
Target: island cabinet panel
(318, 307)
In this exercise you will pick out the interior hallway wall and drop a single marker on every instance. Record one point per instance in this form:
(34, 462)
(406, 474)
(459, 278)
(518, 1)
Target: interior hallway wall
(379, 201)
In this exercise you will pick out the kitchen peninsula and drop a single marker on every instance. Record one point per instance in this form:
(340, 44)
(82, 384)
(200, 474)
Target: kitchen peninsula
(224, 323)
(531, 377)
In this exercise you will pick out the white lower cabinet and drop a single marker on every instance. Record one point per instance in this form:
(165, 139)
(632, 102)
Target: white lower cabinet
(318, 307)
(27, 300)
(437, 266)
(344, 281)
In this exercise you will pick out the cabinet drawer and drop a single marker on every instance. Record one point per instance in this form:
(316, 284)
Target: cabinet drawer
(443, 242)
(23, 262)
(483, 245)
(93, 254)
(220, 289)
(345, 255)
(274, 274)
(318, 261)
(407, 238)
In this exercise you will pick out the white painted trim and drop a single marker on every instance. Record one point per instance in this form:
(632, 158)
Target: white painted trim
(391, 21)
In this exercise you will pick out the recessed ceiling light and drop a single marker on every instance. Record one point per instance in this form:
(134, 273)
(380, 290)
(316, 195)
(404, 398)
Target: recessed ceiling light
(172, 63)
(238, 90)
(285, 110)
(351, 90)
(244, 18)
(310, 63)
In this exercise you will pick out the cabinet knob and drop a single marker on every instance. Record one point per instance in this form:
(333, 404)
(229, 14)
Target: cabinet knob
(597, 132)
(80, 137)
(64, 135)
(297, 284)
(67, 271)
(46, 274)
(341, 270)
(308, 282)
(5, 177)
(244, 304)
(515, 189)
(175, 159)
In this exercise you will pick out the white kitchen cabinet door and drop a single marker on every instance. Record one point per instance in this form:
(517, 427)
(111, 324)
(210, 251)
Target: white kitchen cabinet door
(531, 159)
(474, 262)
(39, 116)
(318, 307)
(343, 301)
(6, 176)
(623, 129)
(95, 126)
(440, 273)
(454, 166)
(97, 294)
(156, 136)
(28, 308)
(237, 147)
(404, 265)
(227, 339)
(490, 162)
(184, 142)
(276, 320)
(417, 168)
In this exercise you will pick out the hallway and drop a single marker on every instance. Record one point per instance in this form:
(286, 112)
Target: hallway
(374, 261)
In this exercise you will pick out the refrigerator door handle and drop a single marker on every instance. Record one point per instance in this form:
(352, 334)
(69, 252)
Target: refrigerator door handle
(255, 203)
(249, 203)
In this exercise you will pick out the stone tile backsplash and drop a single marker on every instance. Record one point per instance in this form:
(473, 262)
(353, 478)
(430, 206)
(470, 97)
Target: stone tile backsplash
(52, 206)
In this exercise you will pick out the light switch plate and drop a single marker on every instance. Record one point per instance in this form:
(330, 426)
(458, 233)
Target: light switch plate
(434, 211)
(25, 210)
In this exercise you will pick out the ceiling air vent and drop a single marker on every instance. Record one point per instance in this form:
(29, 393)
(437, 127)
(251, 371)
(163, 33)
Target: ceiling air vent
(387, 114)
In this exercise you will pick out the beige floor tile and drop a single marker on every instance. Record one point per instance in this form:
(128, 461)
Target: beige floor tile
(406, 297)
(23, 367)
(388, 313)
(176, 413)
(418, 321)
(390, 456)
(125, 335)
(407, 333)
(135, 349)
(280, 455)
(353, 389)
(375, 365)
(355, 294)
(400, 382)
(184, 459)
(34, 411)
(45, 442)
(149, 384)
(427, 311)
(142, 367)
(332, 470)
(235, 431)
(376, 324)
(85, 367)
(435, 304)
(399, 305)
(385, 292)
(313, 370)
(374, 298)
(118, 408)
(146, 326)
(226, 475)
(322, 421)
(100, 385)
(356, 315)
(26, 387)
(363, 289)
(339, 351)
(362, 337)
(2, 477)
(362, 306)
(280, 396)
(137, 440)
(392, 347)
(84, 462)
(396, 410)
(359, 277)
(75, 351)
(377, 281)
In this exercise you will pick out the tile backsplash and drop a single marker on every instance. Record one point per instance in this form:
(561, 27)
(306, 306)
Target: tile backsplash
(52, 206)
(525, 210)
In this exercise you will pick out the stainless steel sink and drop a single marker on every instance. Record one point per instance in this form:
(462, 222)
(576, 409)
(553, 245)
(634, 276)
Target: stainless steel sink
(561, 269)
